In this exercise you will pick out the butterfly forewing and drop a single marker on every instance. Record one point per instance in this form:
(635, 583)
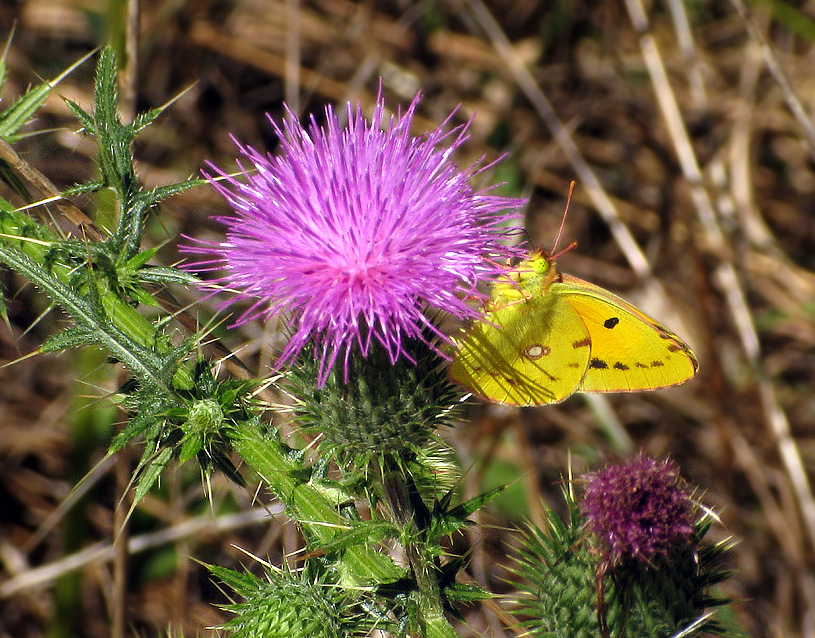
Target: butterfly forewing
(630, 350)
(531, 352)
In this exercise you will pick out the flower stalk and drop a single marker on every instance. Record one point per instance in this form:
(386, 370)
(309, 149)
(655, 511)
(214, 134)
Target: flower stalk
(413, 518)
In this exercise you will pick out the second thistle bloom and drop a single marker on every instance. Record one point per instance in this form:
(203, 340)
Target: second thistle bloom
(639, 510)
(356, 232)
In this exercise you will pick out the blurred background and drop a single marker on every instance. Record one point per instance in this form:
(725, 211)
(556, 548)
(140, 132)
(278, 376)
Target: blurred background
(688, 128)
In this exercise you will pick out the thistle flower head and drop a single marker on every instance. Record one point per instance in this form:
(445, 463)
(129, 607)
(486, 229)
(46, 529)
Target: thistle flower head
(639, 510)
(355, 232)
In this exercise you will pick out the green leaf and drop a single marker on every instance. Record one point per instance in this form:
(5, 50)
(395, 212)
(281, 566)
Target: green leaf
(87, 311)
(445, 523)
(191, 445)
(167, 275)
(74, 337)
(88, 187)
(139, 259)
(142, 296)
(135, 426)
(218, 459)
(159, 193)
(4, 311)
(3, 58)
(461, 593)
(360, 533)
(143, 120)
(149, 472)
(242, 584)
(317, 513)
(85, 118)
(466, 508)
(20, 112)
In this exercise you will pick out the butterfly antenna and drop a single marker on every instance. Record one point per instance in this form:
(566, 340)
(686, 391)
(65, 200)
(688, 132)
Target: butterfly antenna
(528, 237)
(555, 254)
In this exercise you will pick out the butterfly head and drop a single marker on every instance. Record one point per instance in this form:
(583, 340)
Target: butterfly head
(539, 261)
(531, 277)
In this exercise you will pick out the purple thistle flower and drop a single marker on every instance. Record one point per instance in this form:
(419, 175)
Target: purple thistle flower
(639, 510)
(355, 232)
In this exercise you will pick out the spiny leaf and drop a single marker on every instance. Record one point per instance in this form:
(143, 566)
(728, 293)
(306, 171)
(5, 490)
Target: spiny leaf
(462, 593)
(3, 58)
(242, 584)
(4, 311)
(85, 118)
(88, 187)
(74, 337)
(150, 414)
(217, 458)
(143, 120)
(143, 297)
(159, 193)
(141, 258)
(360, 533)
(446, 522)
(191, 445)
(20, 112)
(87, 310)
(149, 472)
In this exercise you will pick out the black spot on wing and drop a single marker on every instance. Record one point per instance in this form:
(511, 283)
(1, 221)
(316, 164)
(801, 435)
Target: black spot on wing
(611, 322)
(598, 364)
(620, 366)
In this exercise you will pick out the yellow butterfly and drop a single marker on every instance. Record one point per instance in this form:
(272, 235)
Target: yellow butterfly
(547, 335)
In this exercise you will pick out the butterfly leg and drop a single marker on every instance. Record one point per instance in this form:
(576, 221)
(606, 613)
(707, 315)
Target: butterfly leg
(507, 302)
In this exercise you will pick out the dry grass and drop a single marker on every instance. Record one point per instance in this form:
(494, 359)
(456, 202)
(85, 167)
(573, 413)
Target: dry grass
(686, 128)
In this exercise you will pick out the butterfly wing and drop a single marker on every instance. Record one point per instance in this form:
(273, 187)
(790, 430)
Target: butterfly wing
(530, 352)
(630, 351)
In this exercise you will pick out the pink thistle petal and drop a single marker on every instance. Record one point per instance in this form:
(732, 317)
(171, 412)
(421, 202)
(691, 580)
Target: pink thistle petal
(356, 232)
(639, 509)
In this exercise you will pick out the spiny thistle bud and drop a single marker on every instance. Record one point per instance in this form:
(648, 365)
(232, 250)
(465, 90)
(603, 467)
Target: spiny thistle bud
(205, 416)
(384, 408)
(288, 604)
(555, 573)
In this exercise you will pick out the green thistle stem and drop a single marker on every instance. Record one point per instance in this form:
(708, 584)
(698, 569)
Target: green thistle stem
(121, 330)
(141, 362)
(313, 508)
(409, 512)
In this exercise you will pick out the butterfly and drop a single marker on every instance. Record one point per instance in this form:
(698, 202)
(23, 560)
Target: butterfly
(546, 335)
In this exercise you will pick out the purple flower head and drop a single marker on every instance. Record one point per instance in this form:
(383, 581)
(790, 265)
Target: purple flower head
(639, 510)
(355, 232)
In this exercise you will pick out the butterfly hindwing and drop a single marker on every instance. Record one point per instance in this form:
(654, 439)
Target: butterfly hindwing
(547, 335)
(630, 350)
(530, 352)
